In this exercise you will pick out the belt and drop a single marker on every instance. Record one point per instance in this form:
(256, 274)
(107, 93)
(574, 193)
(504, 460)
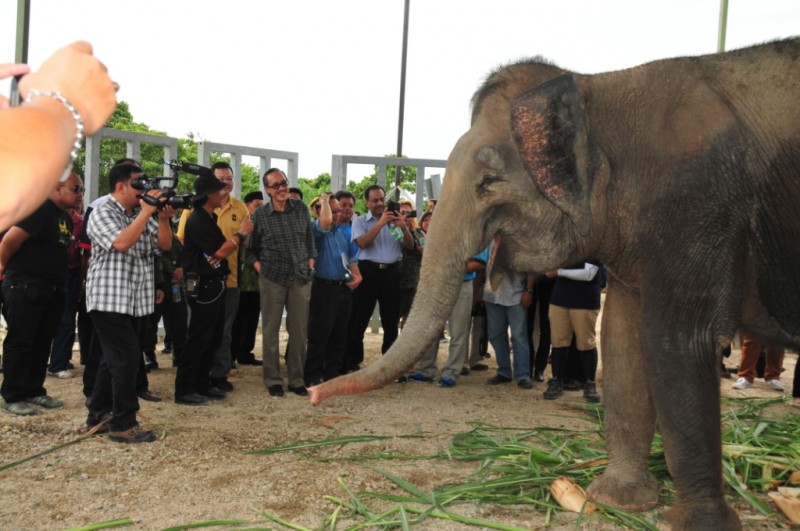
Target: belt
(327, 282)
(378, 265)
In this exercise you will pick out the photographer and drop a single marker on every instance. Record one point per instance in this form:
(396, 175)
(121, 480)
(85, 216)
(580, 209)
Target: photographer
(120, 290)
(205, 268)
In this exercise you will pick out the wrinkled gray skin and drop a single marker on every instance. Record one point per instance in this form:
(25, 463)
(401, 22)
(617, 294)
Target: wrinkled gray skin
(682, 177)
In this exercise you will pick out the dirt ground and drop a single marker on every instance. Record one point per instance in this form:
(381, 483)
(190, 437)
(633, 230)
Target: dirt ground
(200, 469)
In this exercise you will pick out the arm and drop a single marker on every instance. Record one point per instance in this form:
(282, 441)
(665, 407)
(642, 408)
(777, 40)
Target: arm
(408, 238)
(325, 214)
(84, 83)
(586, 274)
(130, 234)
(164, 229)
(366, 239)
(356, 276)
(10, 244)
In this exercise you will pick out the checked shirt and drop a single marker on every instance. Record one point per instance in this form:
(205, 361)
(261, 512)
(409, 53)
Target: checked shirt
(283, 242)
(120, 282)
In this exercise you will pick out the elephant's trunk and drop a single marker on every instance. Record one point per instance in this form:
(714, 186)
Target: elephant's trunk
(454, 236)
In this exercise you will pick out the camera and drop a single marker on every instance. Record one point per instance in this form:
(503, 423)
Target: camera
(411, 214)
(393, 206)
(167, 185)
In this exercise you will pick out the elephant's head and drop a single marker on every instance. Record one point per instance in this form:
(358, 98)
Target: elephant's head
(523, 172)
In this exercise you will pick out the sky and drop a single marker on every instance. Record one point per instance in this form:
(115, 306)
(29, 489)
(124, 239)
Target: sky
(322, 77)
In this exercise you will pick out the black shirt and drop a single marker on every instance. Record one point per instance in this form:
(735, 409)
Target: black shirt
(43, 256)
(578, 294)
(202, 236)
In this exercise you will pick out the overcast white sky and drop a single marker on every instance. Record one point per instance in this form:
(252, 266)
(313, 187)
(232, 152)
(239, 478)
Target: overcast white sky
(322, 77)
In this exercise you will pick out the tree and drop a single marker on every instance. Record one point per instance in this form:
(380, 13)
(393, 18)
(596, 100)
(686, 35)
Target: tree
(408, 182)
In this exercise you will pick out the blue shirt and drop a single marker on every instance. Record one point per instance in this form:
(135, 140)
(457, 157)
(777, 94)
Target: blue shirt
(482, 257)
(331, 244)
(383, 249)
(347, 230)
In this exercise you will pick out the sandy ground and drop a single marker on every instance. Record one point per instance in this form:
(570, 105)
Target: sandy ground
(200, 469)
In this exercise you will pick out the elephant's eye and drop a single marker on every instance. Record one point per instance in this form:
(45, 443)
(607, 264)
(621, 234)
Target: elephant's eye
(486, 183)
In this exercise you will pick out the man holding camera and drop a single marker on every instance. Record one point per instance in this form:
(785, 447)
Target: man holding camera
(380, 235)
(120, 291)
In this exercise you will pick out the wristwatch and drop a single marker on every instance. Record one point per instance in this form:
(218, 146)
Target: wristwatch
(529, 290)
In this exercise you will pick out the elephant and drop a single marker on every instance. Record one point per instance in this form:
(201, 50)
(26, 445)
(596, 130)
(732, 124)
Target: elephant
(681, 175)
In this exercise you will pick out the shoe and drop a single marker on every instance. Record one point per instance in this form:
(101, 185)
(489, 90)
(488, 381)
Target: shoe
(19, 408)
(148, 396)
(100, 426)
(167, 349)
(192, 399)
(775, 385)
(133, 435)
(214, 393)
(275, 390)
(150, 363)
(571, 384)
(70, 366)
(447, 382)
(299, 391)
(498, 379)
(64, 375)
(538, 376)
(590, 392)
(464, 372)
(222, 383)
(742, 383)
(250, 361)
(45, 401)
(554, 389)
(418, 377)
(525, 384)
(479, 367)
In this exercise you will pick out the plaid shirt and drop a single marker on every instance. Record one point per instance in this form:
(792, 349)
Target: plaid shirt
(120, 282)
(283, 242)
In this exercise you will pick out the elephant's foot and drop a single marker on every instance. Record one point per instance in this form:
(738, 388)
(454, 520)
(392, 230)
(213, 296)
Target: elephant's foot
(716, 516)
(625, 491)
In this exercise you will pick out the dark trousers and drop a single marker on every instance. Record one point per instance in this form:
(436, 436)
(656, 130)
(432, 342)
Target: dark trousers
(381, 286)
(115, 385)
(245, 325)
(176, 321)
(543, 290)
(95, 354)
(328, 319)
(205, 335)
(32, 311)
(150, 330)
(84, 329)
(64, 340)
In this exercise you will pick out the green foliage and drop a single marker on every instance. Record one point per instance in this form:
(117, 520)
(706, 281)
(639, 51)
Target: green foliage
(408, 181)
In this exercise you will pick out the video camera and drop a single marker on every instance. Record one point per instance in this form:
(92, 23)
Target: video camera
(167, 185)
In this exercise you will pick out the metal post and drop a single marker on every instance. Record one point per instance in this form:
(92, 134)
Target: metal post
(723, 25)
(21, 55)
(398, 173)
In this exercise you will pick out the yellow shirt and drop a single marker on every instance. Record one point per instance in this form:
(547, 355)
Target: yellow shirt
(229, 219)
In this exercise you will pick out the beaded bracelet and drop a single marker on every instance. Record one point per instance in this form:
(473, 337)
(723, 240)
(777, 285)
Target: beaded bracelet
(76, 147)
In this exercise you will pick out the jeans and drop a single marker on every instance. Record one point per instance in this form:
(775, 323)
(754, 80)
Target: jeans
(65, 336)
(498, 320)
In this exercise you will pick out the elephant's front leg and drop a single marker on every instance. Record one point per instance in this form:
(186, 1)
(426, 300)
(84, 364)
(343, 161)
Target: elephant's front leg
(629, 414)
(683, 372)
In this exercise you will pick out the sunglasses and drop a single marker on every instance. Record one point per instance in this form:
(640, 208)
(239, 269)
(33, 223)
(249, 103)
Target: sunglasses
(279, 185)
(77, 189)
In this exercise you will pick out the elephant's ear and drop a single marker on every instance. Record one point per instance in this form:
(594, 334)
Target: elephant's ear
(549, 129)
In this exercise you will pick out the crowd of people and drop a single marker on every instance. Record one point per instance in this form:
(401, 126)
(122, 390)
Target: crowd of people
(320, 269)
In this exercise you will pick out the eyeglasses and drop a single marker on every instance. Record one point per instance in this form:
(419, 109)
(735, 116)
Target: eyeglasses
(77, 189)
(279, 185)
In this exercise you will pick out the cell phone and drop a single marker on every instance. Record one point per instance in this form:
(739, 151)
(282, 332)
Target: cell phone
(393, 206)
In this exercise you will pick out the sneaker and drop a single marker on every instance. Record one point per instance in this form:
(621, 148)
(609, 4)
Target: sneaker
(742, 383)
(525, 383)
(498, 379)
(133, 435)
(590, 392)
(418, 377)
(45, 401)
(19, 408)
(446, 381)
(65, 374)
(775, 385)
(554, 389)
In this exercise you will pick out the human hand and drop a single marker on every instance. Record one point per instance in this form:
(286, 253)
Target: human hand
(246, 227)
(81, 79)
(353, 284)
(8, 70)
(159, 296)
(526, 300)
(166, 212)
(177, 275)
(386, 217)
(147, 207)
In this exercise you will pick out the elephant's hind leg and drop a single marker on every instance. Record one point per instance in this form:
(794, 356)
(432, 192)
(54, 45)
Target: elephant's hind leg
(629, 414)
